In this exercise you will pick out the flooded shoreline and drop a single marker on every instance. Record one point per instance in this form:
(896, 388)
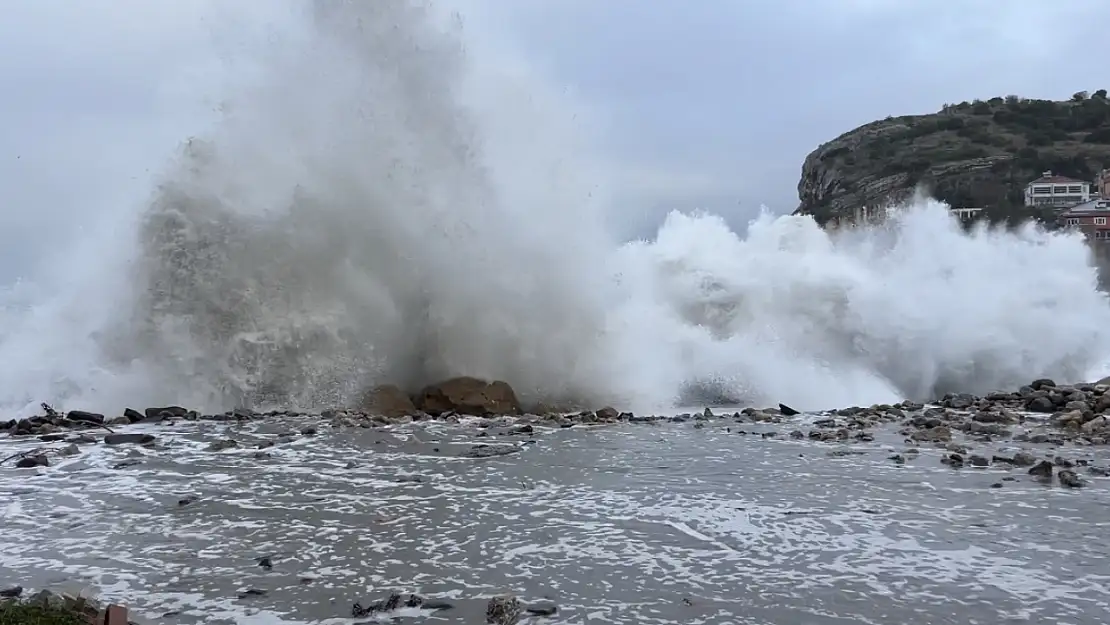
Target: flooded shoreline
(691, 522)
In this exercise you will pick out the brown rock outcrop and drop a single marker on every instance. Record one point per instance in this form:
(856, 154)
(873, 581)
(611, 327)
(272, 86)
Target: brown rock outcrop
(469, 396)
(388, 400)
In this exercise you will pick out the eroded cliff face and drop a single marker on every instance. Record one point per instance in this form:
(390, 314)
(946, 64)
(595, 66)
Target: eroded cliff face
(979, 154)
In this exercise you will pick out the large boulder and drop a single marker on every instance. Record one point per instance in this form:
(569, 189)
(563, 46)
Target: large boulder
(389, 401)
(469, 396)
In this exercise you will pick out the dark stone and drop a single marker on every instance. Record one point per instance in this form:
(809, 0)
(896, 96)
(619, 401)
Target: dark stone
(1070, 479)
(31, 462)
(489, 451)
(176, 412)
(125, 439)
(85, 417)
(1040, 404)
(788, 411)
(542, 608)
(1042, 470)
(383, 605)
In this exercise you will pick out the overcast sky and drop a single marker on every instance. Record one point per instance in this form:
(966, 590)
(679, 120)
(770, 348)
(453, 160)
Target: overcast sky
(709, 103)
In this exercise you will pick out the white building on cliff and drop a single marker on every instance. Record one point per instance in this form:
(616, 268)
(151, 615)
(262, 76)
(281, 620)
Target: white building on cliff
(1058, 191)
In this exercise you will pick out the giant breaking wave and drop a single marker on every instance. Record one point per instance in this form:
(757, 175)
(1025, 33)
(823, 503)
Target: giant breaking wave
(375, 206)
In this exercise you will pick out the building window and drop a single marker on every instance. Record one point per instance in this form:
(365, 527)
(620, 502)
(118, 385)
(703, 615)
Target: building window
(1073, 221)
(1100, 221)
(1042, 190)
(1075, 189)
(1059, 189)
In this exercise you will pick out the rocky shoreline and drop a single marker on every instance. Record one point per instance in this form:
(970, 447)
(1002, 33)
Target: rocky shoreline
(1040, 414)
(1044, 433)
(50, 608)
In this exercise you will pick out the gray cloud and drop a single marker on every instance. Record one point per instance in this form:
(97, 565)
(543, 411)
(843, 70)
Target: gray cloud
(711, 104)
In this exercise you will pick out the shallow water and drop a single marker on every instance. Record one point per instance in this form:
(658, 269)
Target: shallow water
(629, 524)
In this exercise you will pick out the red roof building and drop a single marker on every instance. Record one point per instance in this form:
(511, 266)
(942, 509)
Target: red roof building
(1090, 217)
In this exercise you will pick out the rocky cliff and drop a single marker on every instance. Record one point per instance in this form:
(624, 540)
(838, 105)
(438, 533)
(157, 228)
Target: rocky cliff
(980, 153)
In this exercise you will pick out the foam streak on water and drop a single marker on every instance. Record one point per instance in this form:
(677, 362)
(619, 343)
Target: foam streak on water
(380, 204)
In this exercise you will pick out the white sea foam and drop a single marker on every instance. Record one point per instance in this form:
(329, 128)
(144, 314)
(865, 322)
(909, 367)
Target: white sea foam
(381, 203)
(602, 526)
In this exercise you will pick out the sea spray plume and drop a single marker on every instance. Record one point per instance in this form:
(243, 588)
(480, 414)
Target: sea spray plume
(913, 307)
(373, 208)
(340, 228)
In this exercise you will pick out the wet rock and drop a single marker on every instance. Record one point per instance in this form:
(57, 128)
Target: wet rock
(504, 610)
(1004, 418)
(1070, 479)
(979, 461)
(388, 400)
(85, 417)
(252, 592)
(309, 430)
(31, 462)
(223, 444)
(1023, 459)
(542, 608)
(12, 592)
(1040, 404)
(129, 439)
(609, 413)
(129, 462)
(992, 429)
(468, 396)
(69, 450)
(166, 412)
(132, 415)
(787, 411)
(1071, 419)
(1097, 424)
(390, 603)
(953, 460)
(1042, 470)
(489, 451)
(958, 401)
(938, 434)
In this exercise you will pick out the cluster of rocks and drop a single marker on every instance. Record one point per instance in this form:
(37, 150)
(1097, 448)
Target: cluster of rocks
(500, 610)
(50, 607)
